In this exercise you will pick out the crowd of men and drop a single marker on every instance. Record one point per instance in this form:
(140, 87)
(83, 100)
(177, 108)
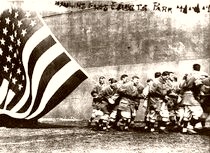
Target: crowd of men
(169, 103)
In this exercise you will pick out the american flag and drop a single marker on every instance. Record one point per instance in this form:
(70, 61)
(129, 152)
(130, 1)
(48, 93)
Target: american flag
(36, 72)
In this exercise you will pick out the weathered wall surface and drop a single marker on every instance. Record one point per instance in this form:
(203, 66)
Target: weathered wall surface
(120, 37)
(139, 43)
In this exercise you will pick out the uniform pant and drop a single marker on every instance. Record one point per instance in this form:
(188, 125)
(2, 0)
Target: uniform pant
(162, 114)
(192, 112)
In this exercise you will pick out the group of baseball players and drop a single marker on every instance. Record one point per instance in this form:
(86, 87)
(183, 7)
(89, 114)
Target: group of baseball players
(170, 104)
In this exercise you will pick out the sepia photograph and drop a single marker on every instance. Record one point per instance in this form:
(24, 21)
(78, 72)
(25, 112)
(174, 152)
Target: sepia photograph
(100, 76)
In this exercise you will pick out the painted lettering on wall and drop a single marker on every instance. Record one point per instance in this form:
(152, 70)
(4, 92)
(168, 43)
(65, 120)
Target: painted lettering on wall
(106, 6)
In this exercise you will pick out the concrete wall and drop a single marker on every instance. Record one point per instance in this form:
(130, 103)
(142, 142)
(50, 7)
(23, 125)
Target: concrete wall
(120, 38)
(139, 43)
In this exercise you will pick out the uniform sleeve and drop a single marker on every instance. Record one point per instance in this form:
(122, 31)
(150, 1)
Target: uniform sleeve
(101, 94)
(104, 93)
(188, 83)
(206, 81)
(155, 90)
(126, 90)
(140, 88)
(122, 90)
(205, 89)
(145, 91)
(95, 91)
(183, 84)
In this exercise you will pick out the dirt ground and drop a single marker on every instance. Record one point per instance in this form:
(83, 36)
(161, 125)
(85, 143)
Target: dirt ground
(78, 138)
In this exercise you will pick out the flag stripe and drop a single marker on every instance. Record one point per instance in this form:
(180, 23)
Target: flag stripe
(15, 101)
(63, 91)
(10, 96)
(56, 82)
(38, 51)
(32, 42)
(52, 68)
(39, 68)
(3, 91)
